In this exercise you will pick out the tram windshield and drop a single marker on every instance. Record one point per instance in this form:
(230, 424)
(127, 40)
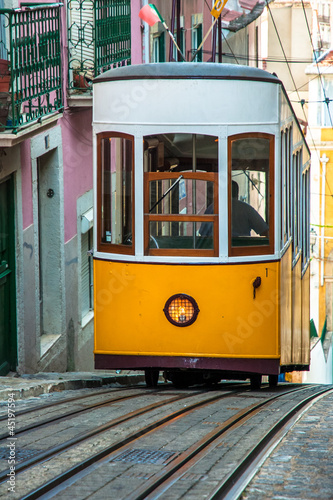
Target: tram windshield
(250, 199)
(181, 195)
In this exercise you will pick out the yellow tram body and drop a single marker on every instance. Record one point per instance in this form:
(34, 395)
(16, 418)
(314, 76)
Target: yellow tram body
(237, 325)
(230, 323)
(184, 161)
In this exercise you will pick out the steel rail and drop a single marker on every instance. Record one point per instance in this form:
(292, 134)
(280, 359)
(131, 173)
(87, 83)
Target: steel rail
(71, 413)
(226, 489)
(91, 461)
(20, 467)
(231, 486)
(194, 452)
(67, 400)
(61, 478)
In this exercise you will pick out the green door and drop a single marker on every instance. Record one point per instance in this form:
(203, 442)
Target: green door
(7, 279)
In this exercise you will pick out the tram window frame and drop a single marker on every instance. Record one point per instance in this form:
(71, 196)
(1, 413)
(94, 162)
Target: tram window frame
(117, 248)
(262, 249)
(305, 217)
(286, 136)
(296, 209)
(183, 168)
(289, 137)
(283, 213)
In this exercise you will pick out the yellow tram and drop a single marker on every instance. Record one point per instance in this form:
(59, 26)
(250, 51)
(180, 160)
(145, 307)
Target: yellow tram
(201, 253)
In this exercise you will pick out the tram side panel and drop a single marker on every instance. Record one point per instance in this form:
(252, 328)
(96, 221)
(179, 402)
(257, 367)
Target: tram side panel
(233, 322)
(297, 314)
(306, 317)
(286, 307)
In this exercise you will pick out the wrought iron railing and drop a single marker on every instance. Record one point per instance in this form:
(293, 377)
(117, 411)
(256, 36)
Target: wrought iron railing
(99, 38)
(30, 49)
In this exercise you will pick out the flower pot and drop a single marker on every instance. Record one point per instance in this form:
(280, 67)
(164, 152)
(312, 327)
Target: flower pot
(5, 101)
(4, 75)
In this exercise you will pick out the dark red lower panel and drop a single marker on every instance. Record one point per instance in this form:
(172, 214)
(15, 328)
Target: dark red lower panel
(114, 362)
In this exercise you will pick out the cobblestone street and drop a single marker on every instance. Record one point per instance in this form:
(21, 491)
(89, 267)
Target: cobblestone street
(301, 467)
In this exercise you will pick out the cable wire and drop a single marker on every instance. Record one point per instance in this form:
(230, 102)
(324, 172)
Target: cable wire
(326, 100)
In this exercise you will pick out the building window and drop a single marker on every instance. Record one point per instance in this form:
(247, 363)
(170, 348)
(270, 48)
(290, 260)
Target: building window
(196, 41)
(251, 190)
(115, 181)
(99, 38)
(86, 273)
(158, 49)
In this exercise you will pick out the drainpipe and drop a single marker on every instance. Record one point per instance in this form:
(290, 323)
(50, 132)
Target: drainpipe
(324, 159)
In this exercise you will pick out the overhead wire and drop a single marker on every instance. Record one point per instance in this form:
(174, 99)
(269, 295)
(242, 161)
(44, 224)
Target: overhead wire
(288, 62)
(302, 101)
(319, 73)
(326, 100)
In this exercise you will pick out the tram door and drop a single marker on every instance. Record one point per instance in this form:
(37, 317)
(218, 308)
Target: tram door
(7, 279)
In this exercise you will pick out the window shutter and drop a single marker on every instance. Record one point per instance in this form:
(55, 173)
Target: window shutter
(86, 273)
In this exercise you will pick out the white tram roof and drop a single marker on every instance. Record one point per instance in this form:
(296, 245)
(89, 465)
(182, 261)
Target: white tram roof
(184, 70)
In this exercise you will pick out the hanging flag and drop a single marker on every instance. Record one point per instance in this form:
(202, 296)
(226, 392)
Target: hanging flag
(218, 7)
(150, 14)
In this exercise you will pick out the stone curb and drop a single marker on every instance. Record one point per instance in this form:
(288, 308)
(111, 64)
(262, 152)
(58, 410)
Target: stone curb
(23, 388)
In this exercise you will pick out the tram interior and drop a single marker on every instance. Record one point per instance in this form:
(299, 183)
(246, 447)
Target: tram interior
(195, 153)
(181, 191)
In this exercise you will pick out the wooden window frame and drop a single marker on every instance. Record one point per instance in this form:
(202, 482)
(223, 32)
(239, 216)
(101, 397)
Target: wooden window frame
(255, 249)
(112, 247)
(214, 218)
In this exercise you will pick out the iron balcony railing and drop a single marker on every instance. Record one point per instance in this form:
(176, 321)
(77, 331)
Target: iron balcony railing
(99, 38)
(30, 65)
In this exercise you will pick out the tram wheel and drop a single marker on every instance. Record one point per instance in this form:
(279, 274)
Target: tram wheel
(255, 381)
(151, 377)
(273, 380)
(181, 380)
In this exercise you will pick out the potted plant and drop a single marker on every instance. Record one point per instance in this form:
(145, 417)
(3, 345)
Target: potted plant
(4, 91)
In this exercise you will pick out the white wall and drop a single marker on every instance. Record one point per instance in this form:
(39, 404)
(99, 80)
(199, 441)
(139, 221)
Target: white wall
(320, 368)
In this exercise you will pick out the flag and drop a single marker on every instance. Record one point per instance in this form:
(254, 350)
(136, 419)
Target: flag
(150, 14)
(217, 8)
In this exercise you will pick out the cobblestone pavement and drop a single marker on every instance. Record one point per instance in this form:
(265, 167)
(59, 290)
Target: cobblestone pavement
(301, 467)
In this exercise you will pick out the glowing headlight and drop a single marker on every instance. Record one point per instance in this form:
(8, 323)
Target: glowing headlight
(181, 310)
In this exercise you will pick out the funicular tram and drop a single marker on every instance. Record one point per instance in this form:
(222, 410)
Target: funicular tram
(201, 252)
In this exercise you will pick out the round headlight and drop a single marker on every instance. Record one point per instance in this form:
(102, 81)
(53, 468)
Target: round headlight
(181, 309)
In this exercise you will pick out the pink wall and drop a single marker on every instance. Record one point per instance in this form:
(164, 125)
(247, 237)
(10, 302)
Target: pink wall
(136, 34)
(78, 163)
(26, 184)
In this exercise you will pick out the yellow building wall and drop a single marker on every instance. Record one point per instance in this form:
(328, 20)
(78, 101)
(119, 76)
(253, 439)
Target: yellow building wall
(325, 292)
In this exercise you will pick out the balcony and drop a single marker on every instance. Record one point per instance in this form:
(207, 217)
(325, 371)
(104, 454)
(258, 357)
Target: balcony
(30, 70)
(99, 38)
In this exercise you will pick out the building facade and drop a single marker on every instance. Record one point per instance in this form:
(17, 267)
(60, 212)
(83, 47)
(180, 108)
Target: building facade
(49, 54)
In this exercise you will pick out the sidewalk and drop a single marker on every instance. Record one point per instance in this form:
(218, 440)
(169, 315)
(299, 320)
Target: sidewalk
(25, 386)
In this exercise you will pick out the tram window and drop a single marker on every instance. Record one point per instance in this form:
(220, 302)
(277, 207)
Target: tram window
(297, 202)
(305, 217)
(181, 205)
(180, 196)
(250, 194)
(115, 178)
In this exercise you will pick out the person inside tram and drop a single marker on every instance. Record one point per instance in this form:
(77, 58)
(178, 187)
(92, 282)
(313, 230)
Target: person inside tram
(244, 218)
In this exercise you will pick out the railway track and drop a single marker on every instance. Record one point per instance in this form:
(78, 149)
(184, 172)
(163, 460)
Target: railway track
(182, 441)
